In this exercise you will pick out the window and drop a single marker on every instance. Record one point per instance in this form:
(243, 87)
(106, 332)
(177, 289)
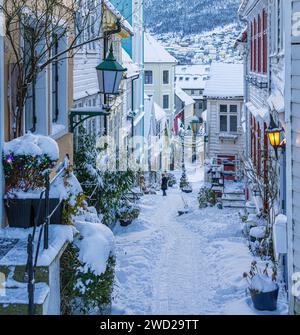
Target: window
(165, 77)
(223, 123)
(166, 102)
(148, 77)
(228, 118)
(59, 84)
(255, 47)
(259, 45)
(279, 26)
(251, 48)
(265, 42)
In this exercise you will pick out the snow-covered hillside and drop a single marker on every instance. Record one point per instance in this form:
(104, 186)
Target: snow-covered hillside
(189, 16)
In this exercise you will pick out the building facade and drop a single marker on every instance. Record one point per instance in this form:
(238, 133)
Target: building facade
(48, 100)
(159, 77)
(192, 80)
(273, 94)
(224, 94)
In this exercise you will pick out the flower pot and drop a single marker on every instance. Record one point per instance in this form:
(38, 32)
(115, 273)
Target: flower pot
(125, 223)
(19, 213)
(53, 203)
(265, 301)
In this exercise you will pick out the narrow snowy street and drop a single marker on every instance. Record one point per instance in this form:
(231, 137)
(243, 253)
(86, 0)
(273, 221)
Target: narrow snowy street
(191, 264)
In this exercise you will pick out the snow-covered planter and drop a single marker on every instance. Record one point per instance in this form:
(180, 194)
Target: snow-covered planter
(25, 162)
(171, 180)
(258, 233)
(128, 213)
(263, 287)
(251, 222)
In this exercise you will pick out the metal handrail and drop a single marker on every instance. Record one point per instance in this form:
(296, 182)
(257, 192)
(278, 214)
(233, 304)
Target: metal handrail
(32, 259)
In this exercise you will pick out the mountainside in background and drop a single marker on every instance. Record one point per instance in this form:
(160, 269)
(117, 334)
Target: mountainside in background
(189, 16)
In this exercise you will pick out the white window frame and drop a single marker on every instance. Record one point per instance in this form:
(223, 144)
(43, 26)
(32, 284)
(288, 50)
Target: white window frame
(152, 77)
(228, 114)
(168, 83)
(166, 95)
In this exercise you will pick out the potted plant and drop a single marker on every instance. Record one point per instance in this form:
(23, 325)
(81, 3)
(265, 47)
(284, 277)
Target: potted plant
(128, 213)
(25, 161)
(206, 197)
(171, 180)
(263, 287)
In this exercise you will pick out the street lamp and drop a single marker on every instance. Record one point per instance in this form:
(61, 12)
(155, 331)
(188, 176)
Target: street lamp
(110, 74)
(274, 134)
(195, 125)
(184, 184)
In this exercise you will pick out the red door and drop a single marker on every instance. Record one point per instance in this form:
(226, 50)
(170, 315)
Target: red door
(229, 166)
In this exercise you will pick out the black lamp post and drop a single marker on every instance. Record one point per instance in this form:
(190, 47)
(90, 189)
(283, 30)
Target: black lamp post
(183, 180)
(195, 125)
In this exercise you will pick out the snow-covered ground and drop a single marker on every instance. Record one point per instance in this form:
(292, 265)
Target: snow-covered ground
(191, 264)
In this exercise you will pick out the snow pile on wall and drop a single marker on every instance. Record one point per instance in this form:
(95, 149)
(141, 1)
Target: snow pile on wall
(64, 188)
(32, 145)
(96, 243)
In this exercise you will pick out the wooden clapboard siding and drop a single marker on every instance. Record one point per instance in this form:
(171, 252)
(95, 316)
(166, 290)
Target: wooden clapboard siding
(215, 145)
(295, 128)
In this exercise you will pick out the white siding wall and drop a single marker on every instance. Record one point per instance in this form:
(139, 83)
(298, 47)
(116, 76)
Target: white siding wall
(215, 145)
(295, 153)
(158, 89)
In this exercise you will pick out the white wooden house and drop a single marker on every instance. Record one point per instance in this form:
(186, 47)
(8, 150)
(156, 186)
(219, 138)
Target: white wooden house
(291, 22)
(225, 95)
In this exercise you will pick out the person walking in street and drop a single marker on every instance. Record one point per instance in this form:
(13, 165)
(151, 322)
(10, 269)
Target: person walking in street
(164, 184)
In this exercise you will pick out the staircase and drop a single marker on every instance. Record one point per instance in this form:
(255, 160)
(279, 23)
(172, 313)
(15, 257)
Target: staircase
(233, 200)
(14, 293)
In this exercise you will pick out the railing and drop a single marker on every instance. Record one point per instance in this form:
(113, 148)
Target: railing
(32, 259)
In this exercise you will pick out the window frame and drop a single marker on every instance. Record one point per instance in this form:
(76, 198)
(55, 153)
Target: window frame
(228, 114)
(168, 96)
(163, 77)
(145, 76)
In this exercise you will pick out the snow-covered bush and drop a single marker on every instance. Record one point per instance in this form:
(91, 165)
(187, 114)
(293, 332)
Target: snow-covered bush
(96, 167)
(171, 180)
(88, 266)
(206, 197)
(25, 161)
(128, 211)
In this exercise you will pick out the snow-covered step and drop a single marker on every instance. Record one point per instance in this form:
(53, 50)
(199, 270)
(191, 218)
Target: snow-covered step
(234, 204)
(14, 300)
(233, 196)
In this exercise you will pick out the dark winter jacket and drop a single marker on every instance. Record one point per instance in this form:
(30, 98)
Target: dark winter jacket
(164, 183)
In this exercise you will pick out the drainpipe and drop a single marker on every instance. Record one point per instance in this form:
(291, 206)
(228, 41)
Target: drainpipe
(132, 107)
(1, 122)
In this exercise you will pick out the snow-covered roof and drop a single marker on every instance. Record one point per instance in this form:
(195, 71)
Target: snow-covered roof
(188, 82)
(184, 97)
(155, 52)
(226, 81)
(132, 68)
(192, 70)
(124, 23)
